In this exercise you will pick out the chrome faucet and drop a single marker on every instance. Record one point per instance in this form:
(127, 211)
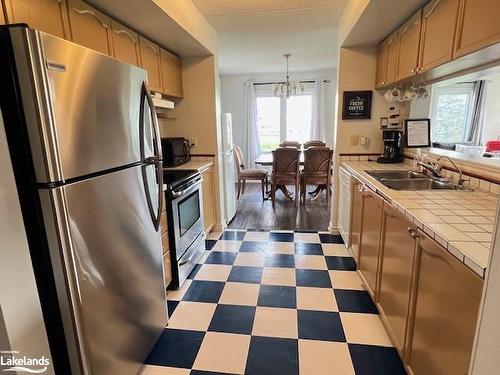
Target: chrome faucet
(461, 180)
(435, 169)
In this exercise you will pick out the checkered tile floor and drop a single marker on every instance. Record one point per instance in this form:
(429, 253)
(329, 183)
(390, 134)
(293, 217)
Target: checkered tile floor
(273, 303)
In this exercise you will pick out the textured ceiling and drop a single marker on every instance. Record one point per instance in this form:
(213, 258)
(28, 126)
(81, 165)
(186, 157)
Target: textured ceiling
(225, 7)
(254, 34)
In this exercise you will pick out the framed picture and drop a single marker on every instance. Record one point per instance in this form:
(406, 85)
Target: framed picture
(357, 105)
(418, 133)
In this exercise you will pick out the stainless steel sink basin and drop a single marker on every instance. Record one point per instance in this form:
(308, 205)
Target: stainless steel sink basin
(395, 174)
(416, 184)
(409, 180)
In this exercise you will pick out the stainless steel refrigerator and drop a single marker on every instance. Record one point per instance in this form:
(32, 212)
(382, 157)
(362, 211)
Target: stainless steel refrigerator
(86, 153)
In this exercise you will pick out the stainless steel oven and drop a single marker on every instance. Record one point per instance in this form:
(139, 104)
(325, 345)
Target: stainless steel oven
(185, 212)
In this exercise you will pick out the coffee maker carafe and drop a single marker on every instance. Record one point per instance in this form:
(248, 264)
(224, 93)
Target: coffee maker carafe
(393, 147)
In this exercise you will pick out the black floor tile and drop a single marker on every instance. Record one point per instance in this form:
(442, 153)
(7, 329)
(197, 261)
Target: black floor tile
(280, 260)
(171, 305)
(221, 257)
(357, 301)
(281, 237)
(233, 319)
(340, 263)
(233, 235)
(303, 248)
(320, 325)
(209, 244)
(254, 246)
(204, 291)
(201, 372)
(244, 274)
(272, 356)
(176, 348)
(277, 296)
(305, 231)
(194, 271)
(313, 278)
(375, 360)
(330, 238)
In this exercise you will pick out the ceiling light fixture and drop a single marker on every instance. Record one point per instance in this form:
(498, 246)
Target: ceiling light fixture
(288, 88)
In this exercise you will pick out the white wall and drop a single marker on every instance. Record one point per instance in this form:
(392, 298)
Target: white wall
(232, 96)
(492, 109)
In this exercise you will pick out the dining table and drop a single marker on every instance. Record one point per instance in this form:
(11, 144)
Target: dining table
(266, 160)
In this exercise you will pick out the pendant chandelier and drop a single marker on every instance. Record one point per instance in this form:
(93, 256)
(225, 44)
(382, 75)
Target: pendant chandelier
(288, 88)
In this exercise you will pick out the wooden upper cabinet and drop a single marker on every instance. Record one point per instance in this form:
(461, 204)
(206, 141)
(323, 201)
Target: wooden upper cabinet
(89, 27)
(382, 54)
(478, 26)
(2, 17)
(150, 60)
(125, 44)
(171, 74)
(49, 16)
(409, 35)
(393, 44)
(439, 21)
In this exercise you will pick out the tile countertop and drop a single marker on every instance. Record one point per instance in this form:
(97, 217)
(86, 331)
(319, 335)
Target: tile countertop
(200, 166)
(461, 221)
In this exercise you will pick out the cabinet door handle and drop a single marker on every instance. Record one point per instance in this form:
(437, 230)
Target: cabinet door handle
(413, 232)
(91, 14)
(125, 32)
(433, 8)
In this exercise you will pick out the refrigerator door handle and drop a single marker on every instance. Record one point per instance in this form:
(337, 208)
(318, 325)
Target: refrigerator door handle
(154, 160)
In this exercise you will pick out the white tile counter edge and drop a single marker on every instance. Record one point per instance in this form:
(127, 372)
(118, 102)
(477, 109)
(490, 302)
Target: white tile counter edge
(479, 267)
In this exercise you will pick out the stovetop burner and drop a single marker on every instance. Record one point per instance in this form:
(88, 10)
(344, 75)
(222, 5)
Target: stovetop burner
(175, 178)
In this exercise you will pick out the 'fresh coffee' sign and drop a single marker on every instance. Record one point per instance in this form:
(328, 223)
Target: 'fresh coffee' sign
(357, 105)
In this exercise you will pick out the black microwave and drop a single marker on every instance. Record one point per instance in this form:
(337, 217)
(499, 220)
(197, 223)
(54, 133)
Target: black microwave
(176, 151)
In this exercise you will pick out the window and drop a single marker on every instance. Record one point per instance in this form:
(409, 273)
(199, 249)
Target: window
(283, 119)
(451, 113)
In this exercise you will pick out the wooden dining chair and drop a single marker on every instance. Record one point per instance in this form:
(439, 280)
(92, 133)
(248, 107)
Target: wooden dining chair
(290, 144)
(245, 175)
(317, 167)
(314, 143)
(286, 162)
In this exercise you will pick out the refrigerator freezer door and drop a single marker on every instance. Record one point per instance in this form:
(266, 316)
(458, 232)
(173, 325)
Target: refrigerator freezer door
(229, 187)
(85, 115)
(227, 132)
(112, 256)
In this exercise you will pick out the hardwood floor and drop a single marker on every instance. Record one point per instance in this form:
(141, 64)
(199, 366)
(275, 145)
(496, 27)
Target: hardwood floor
(253, 213)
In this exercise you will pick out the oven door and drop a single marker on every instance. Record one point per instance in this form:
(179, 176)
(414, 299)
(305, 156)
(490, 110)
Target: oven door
(187, 215)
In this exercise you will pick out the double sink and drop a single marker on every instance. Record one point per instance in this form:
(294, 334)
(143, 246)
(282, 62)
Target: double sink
(409, 180)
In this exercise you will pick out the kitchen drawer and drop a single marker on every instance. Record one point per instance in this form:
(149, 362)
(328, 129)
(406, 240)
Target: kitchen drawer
(163, 222)
(167, 269)
(164, 242)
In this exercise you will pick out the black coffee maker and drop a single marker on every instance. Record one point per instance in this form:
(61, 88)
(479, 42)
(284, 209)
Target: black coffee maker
(393, 147)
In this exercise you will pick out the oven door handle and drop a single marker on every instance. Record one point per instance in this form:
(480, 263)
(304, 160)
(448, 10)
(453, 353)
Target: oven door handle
(180, 193)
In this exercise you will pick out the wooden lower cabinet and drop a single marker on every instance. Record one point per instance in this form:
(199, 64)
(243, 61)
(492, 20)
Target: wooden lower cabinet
(209, 216)
(163, 222)
(396, 270)
(89, 27)
(167, 269)
(356, 218)
(448, 295)
(370, 239)
(49, 16)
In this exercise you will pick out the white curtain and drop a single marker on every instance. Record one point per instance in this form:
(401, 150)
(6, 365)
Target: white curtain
(318, 121)
(252, 135)
(476, 130)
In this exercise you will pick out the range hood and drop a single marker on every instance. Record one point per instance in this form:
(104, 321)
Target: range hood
(161, 104)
